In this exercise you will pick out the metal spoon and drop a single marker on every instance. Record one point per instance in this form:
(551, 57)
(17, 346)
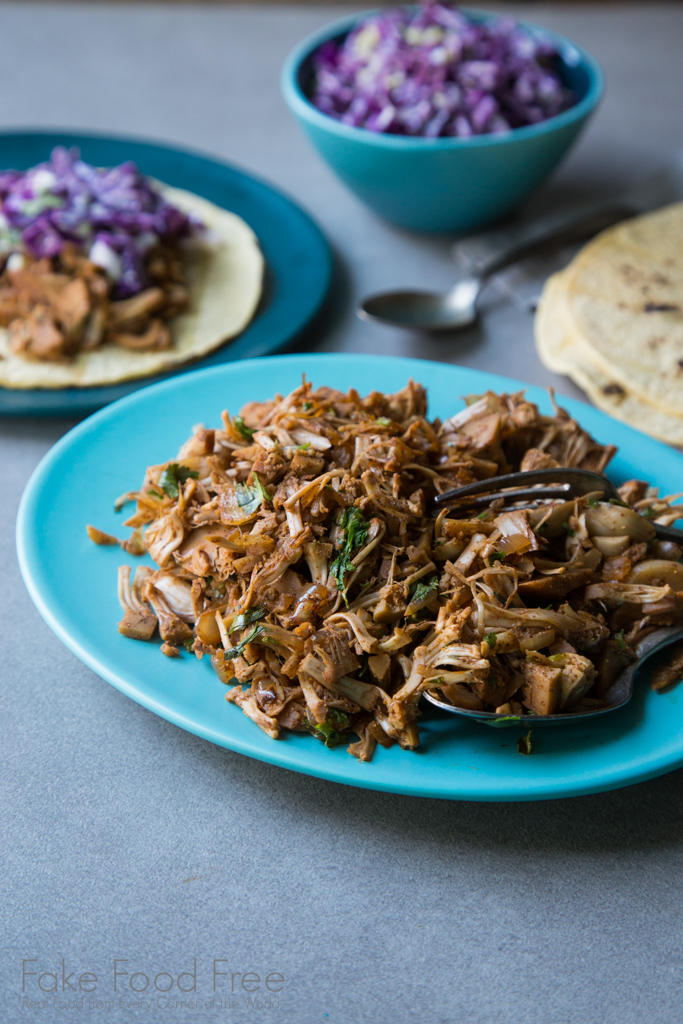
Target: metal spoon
(434, 311)
(426, 311)
(618, 694)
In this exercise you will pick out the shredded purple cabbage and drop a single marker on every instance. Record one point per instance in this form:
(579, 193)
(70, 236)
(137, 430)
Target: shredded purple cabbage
(435, 73)
(114, 213)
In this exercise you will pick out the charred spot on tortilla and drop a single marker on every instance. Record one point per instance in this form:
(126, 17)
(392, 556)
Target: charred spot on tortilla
(614, 389)
(661, 307)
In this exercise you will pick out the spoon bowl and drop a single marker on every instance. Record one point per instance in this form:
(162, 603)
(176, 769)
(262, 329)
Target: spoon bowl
(426, 311)
(617, 696)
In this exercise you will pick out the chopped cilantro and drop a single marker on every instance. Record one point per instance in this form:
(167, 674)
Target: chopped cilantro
(354, 529)
(382, 421)
(419, 591)
(241, 428)
(174, 475)
(187, 644)
(155, 494)
(497, 556)
(524, 743)
(329, 736)
(246, 618)
(249, 499)
(569, 529)
(330, 731)
(339, 719)
(234, 652)
(490, 639)
(307, 406)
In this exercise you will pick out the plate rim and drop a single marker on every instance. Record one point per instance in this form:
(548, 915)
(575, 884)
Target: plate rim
(84, 401)
(613, 778)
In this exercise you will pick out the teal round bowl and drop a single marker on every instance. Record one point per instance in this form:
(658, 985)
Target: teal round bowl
(444, 184)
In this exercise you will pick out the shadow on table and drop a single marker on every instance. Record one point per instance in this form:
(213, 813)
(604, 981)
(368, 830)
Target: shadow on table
(641, 817)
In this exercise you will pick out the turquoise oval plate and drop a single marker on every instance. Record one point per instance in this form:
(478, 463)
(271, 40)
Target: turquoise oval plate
(298, 258)
(73, 584)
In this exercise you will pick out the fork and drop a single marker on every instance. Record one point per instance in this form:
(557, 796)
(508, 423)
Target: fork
(619, 693)
(536, 485)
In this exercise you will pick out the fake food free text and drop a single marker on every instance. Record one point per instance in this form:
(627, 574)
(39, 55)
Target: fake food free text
(50, 979)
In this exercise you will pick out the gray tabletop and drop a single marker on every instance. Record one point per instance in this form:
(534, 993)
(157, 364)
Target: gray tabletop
(125, 838)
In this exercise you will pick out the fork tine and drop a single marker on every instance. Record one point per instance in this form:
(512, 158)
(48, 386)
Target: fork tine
(484, 500)
(568, 482)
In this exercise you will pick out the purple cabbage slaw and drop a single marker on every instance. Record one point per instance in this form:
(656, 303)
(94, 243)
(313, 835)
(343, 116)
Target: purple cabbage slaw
(434, 73)
(114, 214)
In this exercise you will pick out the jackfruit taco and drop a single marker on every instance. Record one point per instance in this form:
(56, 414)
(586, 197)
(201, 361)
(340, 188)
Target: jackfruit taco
(107, 275)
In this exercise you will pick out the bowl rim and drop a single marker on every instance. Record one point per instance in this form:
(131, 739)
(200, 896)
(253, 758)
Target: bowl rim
(302, 107)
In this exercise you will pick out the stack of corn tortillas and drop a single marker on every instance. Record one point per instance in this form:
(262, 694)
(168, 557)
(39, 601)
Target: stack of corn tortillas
(613, 321)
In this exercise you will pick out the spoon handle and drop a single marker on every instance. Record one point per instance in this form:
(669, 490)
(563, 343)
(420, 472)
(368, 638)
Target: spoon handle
(491, 251)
